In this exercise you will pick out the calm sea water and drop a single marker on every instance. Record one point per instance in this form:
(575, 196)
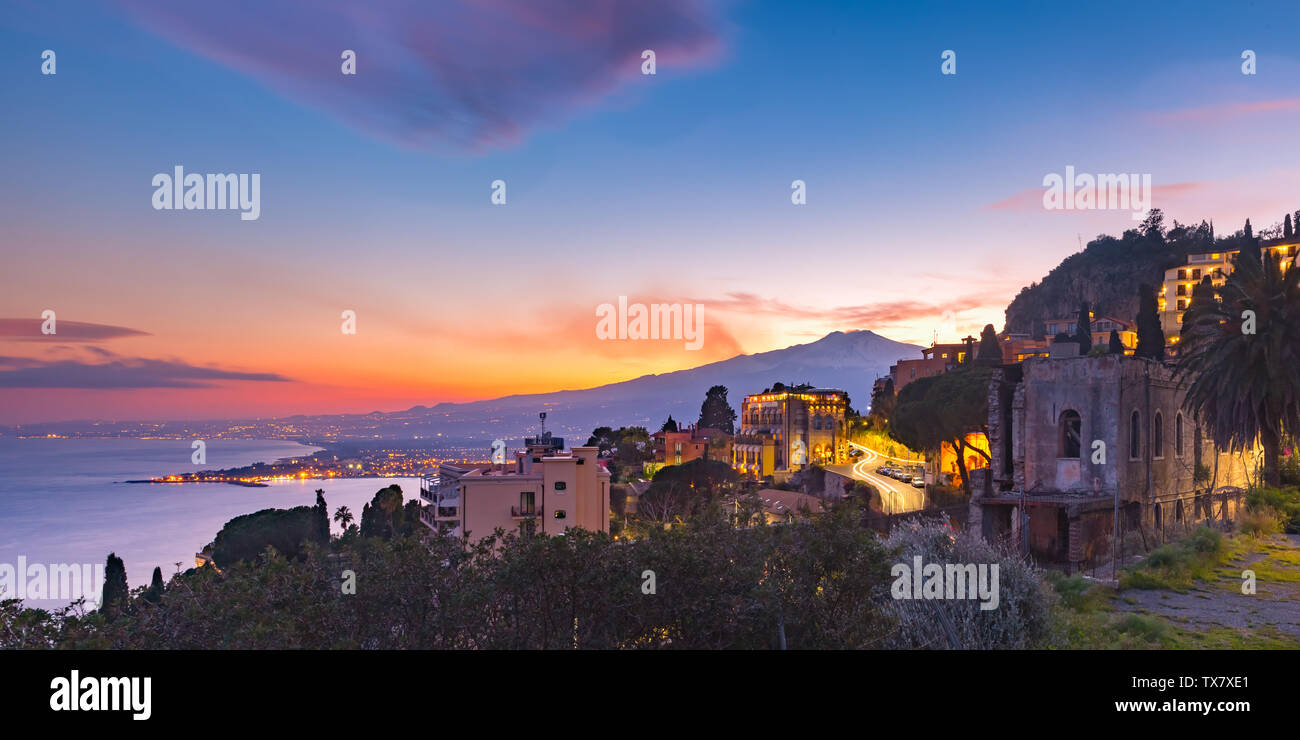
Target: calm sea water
(62, 500)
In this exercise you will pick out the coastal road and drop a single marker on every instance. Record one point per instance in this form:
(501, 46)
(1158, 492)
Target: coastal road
(895, 495)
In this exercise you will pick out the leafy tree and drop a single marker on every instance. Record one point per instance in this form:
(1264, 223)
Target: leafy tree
(679, 491)
(1083, 329)
(944, 408)
(716, 412)
(246, 537)
(385, 516)
(604, 439)
(1244, 379)
(1151, 338)
(1115, 346)
(114, 596)
(990, 351)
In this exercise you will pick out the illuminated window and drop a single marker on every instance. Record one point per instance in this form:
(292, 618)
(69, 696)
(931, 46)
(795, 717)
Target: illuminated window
(560, 514)
(560, 485)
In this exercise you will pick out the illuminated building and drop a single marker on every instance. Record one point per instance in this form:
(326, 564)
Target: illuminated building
(1176, 292)
(784, 429)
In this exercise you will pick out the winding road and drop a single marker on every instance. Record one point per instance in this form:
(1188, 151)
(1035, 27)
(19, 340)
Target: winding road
(895, 495)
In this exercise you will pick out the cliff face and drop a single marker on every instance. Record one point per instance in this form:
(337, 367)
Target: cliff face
(1107, 274)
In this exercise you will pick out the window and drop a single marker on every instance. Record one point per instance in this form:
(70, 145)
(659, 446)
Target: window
(1158, 436)
(1178, 434)
(1196, 274)
(1069, 424)
(526, 499)
(1134, 436)
(1182, 304)
(560, 485)
(560, 514)
(1182, 274)
(1182, 289)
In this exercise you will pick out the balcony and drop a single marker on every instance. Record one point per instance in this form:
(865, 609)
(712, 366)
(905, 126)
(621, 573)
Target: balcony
(525, 512)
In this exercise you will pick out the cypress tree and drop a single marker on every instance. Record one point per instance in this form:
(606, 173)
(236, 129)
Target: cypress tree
(115, 593)
(154, 593)
(990, 352)
(1116, 347)
(1286, 227)
(1083, 329)
(1151, 338)
(321, 517)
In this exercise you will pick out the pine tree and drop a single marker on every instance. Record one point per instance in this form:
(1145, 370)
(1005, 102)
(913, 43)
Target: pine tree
(1083, 329)
(670, 425)
(1286, 227)
(715, 412)
(116, 592)
(1116, 347)
(1151, 338)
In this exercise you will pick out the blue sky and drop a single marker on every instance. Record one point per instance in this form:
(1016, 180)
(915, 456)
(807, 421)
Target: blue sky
(666, 188)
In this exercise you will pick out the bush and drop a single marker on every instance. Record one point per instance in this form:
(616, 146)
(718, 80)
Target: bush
(1022, 619)
(1282, 502)
(1176, 564)
(1259, 522)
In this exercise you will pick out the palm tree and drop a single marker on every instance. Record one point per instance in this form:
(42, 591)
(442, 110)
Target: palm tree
(1242, 357)
(343, 516)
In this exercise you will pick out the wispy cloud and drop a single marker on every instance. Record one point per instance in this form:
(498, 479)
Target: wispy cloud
(464, 73)
(1224, 111)
(29, 330)
(118, 373)
(1033, 199)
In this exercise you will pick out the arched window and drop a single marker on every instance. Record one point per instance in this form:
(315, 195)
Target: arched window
(1158, 436)
(1178, 511)
(1068, 433)
(1178, 434)
(817, 422)
(1134, 436)
(1159, 518)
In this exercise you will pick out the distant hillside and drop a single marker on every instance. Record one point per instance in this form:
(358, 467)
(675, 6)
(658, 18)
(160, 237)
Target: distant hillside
(850, 361)
(1107, 273)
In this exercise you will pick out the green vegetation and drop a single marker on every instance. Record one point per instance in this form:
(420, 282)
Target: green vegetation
(1178, 564)
(1282, 505)
(715, 412)
(944, 408)
(245, 537)
(1242, 357)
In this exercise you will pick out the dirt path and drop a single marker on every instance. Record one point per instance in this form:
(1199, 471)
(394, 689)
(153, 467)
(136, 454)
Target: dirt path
(1221, 603)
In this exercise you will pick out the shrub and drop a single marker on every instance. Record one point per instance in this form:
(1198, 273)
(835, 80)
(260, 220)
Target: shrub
(1283, 502)
(1022, 619)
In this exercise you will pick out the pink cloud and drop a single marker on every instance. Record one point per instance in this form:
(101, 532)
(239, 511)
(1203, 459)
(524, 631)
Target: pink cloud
(1228, 110)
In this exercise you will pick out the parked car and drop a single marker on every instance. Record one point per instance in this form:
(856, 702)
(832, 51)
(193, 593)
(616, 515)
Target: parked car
(918, 481)
(883, 470)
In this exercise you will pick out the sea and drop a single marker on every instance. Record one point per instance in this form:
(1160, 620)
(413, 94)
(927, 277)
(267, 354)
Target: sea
(64, 501)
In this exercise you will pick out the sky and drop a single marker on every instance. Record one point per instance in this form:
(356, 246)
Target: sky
(923, 213)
